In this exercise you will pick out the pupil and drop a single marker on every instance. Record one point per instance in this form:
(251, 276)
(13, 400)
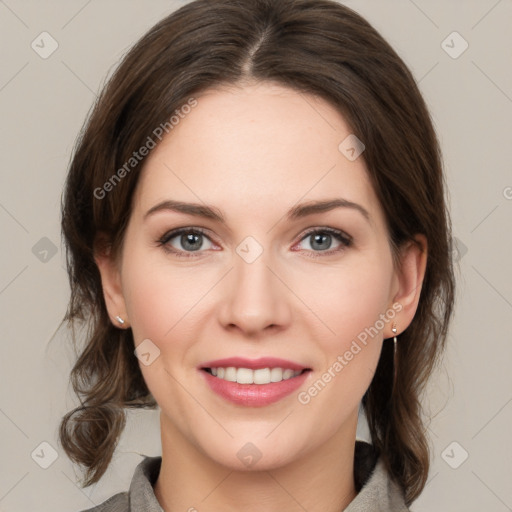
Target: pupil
(188, 241)
(321, 239)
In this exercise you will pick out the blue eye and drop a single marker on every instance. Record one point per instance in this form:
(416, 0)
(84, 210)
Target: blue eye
(320, 241)
(184, 242)
(191, 240)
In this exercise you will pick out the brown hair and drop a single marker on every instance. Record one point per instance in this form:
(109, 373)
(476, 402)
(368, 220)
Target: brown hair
(313, 46)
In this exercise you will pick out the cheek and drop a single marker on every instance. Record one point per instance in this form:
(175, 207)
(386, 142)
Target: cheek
(352, 302)
(364, 299)
(159, 297)
(145, 301)
(349, 299)
(162, 303)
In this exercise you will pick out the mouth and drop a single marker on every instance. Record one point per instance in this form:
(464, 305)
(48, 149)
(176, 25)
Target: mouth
(254, 383)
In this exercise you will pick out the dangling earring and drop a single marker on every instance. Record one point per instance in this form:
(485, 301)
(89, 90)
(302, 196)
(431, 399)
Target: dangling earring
(395, 365)
(120, 320)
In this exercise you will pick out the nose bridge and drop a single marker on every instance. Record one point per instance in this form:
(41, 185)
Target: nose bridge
(256, 299)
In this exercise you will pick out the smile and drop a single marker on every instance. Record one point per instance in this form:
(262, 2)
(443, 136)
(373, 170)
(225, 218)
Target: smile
(253, 383)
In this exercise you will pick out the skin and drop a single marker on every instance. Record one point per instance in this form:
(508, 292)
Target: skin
(254, 152)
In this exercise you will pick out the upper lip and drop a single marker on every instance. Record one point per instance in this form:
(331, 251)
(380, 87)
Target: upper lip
(254, 364)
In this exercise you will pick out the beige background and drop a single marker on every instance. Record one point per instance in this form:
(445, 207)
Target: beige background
(43, 103)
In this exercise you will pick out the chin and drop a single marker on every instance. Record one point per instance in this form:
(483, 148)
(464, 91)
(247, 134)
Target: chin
(254, 453)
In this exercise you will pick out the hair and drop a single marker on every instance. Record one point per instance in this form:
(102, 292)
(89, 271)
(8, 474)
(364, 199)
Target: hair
(316, 47)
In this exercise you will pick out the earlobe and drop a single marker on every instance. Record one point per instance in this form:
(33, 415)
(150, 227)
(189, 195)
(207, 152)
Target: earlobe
(413, 263)
(112, 289)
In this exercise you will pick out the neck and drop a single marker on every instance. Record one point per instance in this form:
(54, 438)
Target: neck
(320, 481)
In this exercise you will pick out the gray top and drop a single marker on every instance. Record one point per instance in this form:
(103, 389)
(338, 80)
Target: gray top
(376, 491)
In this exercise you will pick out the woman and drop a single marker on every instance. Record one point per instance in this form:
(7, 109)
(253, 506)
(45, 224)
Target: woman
(259, 243)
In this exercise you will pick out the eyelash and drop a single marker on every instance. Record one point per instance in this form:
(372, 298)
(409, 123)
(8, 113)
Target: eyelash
(343, 238)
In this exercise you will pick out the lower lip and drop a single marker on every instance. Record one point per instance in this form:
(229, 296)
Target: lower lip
(254, 395)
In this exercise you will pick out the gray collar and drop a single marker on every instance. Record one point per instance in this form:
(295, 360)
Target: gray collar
(378, 494)
(376, 491)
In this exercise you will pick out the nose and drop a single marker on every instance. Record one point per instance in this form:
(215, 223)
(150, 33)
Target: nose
(255, 299)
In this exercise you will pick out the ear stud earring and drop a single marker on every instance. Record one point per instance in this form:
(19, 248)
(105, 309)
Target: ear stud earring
(394, 330)
(120, 320)
(395, 367)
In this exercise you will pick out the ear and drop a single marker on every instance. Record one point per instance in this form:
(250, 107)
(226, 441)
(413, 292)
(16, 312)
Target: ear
(409, 277)
(108, 267)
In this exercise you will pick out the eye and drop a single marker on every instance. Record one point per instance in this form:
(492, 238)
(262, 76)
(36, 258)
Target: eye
(185, 240)
(320, 241)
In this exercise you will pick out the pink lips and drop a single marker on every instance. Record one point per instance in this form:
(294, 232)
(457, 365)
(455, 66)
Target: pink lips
(254, 395)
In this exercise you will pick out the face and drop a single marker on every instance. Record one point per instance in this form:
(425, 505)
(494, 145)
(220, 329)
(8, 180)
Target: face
(258, 277)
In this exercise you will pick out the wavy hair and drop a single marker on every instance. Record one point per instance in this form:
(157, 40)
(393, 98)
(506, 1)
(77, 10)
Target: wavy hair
(318, 47)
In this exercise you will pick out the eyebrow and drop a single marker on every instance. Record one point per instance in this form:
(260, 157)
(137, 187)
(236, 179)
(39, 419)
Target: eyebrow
(297, 212)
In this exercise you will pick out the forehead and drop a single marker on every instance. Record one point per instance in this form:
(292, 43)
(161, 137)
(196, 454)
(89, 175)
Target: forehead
(257, 146)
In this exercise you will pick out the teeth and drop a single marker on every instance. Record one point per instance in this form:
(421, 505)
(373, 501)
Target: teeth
(287, 374)
(230, 374)
(261, 376)
(276, 375)
(244, 376)
(248, 376)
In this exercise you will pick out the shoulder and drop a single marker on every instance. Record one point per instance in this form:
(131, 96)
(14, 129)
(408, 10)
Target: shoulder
(117, 503)
(140, 496)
